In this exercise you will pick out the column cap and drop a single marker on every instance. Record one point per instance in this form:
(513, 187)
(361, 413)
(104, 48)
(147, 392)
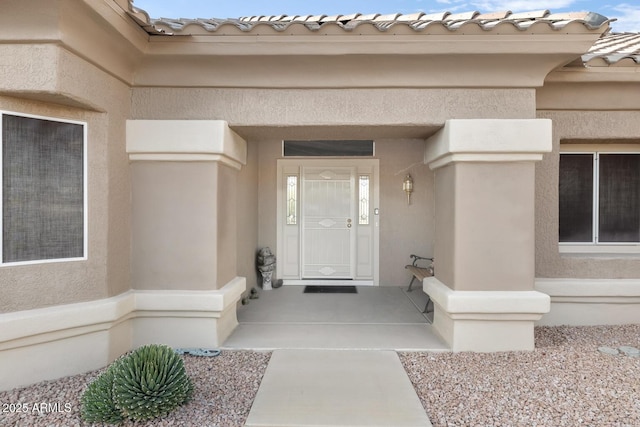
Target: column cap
(489, 140)
(185, 140)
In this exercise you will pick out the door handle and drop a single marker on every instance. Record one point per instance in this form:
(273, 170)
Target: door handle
(349, 223)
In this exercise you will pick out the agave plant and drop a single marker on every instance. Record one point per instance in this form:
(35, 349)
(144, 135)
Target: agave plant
(150, 382)
(97, 400)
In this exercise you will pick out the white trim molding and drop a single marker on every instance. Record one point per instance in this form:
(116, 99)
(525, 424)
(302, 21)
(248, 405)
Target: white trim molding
(53, 342)
(485, 321)
(489, 140)
(185, 141)
(584, 302)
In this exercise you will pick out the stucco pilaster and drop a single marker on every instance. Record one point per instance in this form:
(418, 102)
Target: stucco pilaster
(184, 179)
(485, 182)
(485, 231)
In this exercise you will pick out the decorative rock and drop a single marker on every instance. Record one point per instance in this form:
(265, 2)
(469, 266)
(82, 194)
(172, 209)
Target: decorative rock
(608, 350)
(630, 351)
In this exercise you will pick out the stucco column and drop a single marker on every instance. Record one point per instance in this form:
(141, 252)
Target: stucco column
(483, 290)
(184, 185)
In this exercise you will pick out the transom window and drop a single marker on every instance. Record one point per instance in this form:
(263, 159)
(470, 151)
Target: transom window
(331, 148)
(43, 186)
(599, 198)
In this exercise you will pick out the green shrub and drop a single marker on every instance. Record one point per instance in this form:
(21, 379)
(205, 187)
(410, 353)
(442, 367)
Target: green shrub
(97, 400)
(150, 383)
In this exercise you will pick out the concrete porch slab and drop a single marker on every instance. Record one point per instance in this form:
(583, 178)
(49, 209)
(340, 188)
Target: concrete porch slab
(336, 388)
(401, 337)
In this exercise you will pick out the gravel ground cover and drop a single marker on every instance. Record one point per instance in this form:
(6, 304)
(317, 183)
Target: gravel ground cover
(566, 381)
(225, 387)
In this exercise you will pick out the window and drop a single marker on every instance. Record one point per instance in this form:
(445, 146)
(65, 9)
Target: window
(43, 189)
(363, 198)
(346, 148)
(599, 198)
(292, 199)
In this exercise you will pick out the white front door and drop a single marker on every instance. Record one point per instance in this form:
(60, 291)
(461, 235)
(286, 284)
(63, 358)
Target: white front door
(328, 226)
(327, 215)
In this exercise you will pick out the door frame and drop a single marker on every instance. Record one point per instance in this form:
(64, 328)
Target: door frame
(289, 261)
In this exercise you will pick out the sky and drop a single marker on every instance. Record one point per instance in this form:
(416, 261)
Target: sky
(627, 12)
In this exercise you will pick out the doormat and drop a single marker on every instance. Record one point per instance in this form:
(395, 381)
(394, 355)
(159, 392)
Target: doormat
(330, 290)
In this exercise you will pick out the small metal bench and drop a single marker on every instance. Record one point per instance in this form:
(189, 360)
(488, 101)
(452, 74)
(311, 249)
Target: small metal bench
(420, 272)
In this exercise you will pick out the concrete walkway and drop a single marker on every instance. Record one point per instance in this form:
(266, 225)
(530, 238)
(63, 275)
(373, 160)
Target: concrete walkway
(336, 388)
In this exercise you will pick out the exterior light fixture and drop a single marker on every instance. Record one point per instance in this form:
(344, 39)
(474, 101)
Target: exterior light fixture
(407, 186)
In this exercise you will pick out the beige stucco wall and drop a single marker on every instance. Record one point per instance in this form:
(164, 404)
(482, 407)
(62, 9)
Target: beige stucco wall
(184, 225)
(445, 212)
(106, 272)
(404, 229)
(247, 216)
(397, 119)
(268, 152)
(226, 222)
(589, 126)
(174, 225)
(485, 240)
(66, 62)
(593, 90)
(278, 113)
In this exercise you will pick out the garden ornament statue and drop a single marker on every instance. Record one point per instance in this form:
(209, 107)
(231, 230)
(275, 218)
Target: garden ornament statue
(266, 265)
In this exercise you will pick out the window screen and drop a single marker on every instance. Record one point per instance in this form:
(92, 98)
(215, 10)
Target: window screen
(576, 198)
(349, 148)
(42, 189)
(619, 198)
(613, 204)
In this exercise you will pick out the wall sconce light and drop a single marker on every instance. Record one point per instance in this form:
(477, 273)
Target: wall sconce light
(407, 186)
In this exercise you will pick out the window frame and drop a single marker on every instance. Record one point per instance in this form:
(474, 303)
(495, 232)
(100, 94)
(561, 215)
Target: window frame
(85, 207)
(595, 247)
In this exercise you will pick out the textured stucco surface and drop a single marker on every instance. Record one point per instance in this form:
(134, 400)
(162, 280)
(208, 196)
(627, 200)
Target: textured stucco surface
(274, 108)
(266, 116)
(596, 127)
(52, 67)
(611, 95)
(445, 233)
(494, 226)
(106, 272)
(268, 152)
(484, 234)
(404, 229)
(175, 225)
(248, 213)
(227, 220)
